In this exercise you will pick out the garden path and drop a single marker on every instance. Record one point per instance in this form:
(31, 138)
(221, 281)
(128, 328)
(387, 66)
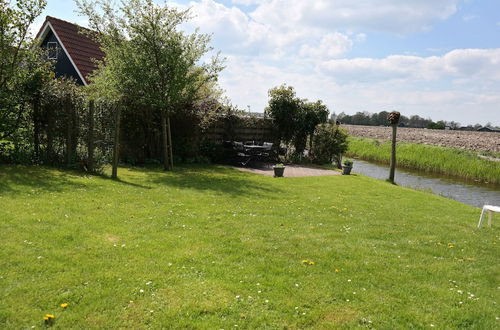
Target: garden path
(291, 171)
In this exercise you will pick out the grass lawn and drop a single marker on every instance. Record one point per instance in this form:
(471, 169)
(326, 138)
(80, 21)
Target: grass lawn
(211, 247)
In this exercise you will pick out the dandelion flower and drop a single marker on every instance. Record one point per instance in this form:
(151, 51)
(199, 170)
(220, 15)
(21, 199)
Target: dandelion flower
(64, 305)
(48, 318)
(337, 270)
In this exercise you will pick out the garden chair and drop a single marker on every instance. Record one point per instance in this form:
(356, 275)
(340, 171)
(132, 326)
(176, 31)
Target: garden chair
(490, 209)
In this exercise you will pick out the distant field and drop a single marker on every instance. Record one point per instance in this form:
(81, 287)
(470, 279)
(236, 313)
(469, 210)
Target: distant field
(477, 141)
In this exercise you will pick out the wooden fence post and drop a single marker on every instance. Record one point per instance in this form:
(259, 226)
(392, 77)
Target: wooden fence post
(36, 127)
(69, 127)
(91, 137)
(116, 146)
(170, 146)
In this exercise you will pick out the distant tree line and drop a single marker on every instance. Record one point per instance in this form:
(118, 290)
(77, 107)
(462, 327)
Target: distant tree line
(380, 119)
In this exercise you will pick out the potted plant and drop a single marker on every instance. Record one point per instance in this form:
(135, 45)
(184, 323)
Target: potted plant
(347, 167)
(279, 170)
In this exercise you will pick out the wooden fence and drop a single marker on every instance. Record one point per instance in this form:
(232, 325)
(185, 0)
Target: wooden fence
(244, 130)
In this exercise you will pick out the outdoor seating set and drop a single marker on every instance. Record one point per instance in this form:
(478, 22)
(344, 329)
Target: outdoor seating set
(243, 153)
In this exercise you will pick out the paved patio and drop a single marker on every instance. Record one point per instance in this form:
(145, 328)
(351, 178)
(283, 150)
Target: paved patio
(291, 171)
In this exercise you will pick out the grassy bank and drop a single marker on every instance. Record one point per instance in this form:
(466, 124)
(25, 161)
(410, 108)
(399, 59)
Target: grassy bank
(217, 248)
(434, 159)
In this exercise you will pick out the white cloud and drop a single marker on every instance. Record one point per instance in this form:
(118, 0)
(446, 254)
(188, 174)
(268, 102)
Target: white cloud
(442, 87)
(392, 16)
(280, 27)
(481, 64)
(331, 45)
(231, 27)
(302, 43)
(470, 17)
(247, 2)
(360, 37)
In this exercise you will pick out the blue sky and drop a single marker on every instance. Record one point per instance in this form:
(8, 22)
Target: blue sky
(434, 58)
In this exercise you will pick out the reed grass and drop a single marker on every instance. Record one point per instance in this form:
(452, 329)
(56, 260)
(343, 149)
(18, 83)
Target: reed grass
(432, 159)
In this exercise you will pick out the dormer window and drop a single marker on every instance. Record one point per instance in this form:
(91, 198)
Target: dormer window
(52, 50)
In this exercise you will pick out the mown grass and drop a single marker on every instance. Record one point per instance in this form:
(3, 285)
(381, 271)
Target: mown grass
(433, 159)
(217, 248)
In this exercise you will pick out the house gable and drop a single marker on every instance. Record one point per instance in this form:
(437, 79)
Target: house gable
(80, 51)
(62, 63)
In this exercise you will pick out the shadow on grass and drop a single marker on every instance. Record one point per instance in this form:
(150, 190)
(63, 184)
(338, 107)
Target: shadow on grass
(208, 178)
(121, 181)
(225, 180)
(17, 178)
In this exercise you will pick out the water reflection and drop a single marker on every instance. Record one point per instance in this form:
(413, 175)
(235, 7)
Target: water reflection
(468, 193)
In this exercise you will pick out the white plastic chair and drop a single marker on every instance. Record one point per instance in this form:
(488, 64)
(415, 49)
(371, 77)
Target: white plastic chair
(490, 209)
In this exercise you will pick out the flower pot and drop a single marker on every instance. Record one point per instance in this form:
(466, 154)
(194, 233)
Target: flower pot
(278, 171)
(346, 170)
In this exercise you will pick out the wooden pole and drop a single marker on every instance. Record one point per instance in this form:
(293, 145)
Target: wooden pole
(393, 119)
(393, 154)
(69, 127)
(164, 136)
(116, 147)
(90, 142)
(36, 127)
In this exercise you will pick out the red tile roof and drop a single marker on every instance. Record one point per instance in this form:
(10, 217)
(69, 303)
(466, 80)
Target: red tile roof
(80, 47)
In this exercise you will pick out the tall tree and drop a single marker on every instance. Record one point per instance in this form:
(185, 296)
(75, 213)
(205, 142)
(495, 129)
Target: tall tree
(22, 68)
(285, 109)
(294, 119)
(315, 113)
(149, 59)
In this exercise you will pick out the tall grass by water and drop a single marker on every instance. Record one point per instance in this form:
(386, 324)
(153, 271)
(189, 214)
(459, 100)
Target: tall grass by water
(433, 159)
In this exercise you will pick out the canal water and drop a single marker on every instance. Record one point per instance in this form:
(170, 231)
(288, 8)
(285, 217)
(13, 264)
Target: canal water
(462, 191)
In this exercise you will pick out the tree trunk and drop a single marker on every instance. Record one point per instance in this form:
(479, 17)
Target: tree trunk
(50, 133)
(36, 127)
(170, 145)
(116, 146)
(393, 154)
(90, 142)
(164, 138)
(75, 132)
(69, 124)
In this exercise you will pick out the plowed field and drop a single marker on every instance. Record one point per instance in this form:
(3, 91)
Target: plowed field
(476, 141)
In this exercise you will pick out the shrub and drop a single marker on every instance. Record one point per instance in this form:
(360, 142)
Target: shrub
(348, 162)
(329, 143)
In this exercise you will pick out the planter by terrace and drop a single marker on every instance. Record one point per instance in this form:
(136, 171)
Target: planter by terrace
(346, 170)
(278, 171)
